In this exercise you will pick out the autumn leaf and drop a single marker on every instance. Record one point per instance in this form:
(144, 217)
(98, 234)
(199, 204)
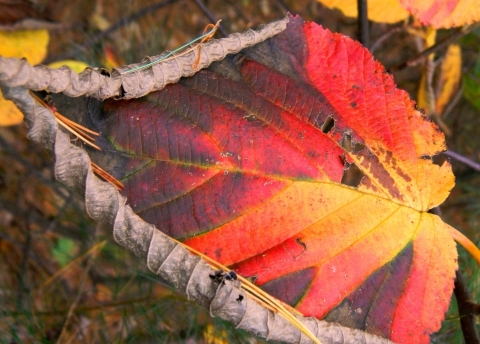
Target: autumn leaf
(440, 81)
(384, 11)
(245, 161)
(30, 44)
(76, 66)
(450, 76)
(435, 13)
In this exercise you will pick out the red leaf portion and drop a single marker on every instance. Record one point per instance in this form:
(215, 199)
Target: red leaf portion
(238, 161)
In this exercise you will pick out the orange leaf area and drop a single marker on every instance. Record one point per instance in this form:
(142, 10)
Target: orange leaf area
(444, 13)
(384, 11)
(244, 162)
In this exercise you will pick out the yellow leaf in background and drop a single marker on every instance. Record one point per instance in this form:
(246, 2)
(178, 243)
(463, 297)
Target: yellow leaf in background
(214, 336)
(9, 113)
(450, 75)
(76, 66)
(31, 44)
(423, 97)
(384, 11)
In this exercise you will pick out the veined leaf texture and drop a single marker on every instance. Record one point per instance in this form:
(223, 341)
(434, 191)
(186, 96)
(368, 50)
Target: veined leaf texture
(244, 161)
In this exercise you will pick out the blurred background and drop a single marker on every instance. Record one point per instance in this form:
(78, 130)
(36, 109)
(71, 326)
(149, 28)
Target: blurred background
(63, 279)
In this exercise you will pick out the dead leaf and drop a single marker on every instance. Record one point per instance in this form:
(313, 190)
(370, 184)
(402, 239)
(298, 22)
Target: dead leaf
(450, 76)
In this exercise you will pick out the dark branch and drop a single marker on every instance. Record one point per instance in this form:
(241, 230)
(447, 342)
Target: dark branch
(417, 59)
(363, 34)
(466, 310)
(211, 17)
(464, 160)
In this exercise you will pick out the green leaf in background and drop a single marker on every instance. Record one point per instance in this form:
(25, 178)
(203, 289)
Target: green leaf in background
(64, 251)
(471, 89)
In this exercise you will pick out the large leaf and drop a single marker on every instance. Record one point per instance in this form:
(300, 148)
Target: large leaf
(240, 162)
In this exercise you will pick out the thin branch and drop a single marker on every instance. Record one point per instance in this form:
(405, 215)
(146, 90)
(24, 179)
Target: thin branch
(464, 160)
(363, 33)
(211, 17)
(451, 105)
(466, 307)
(115, 26)
(465, 310)
(417, 59)
(283, 6)
(375, 45)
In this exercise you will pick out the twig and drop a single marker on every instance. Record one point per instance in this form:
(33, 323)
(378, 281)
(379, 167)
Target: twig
(363, 34)
(466, 307)
(283, 6)
(453, 102)
(73, 306)
(464, 160)
(211, 17)
(415, 60)
(466, 310)
(60, 189)
(384, 37)
(115, 26)
(22, 271)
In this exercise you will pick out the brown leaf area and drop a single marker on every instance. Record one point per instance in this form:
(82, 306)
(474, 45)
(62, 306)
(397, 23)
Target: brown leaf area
(105, 295)
(17, 10)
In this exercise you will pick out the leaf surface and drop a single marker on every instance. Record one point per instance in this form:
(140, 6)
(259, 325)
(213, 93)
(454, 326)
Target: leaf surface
(444, 13)
(240, 162)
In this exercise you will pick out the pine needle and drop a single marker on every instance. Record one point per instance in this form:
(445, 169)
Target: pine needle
(106, 176)
(259, 295)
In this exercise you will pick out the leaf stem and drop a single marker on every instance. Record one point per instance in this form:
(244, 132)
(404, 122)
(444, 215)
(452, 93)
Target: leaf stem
(467, 244)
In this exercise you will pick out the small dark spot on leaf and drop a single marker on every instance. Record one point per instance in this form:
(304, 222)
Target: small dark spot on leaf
(250, 118)
(353, 104)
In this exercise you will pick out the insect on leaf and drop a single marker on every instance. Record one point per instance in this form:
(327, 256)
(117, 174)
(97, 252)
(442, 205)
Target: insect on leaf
(244, 161)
